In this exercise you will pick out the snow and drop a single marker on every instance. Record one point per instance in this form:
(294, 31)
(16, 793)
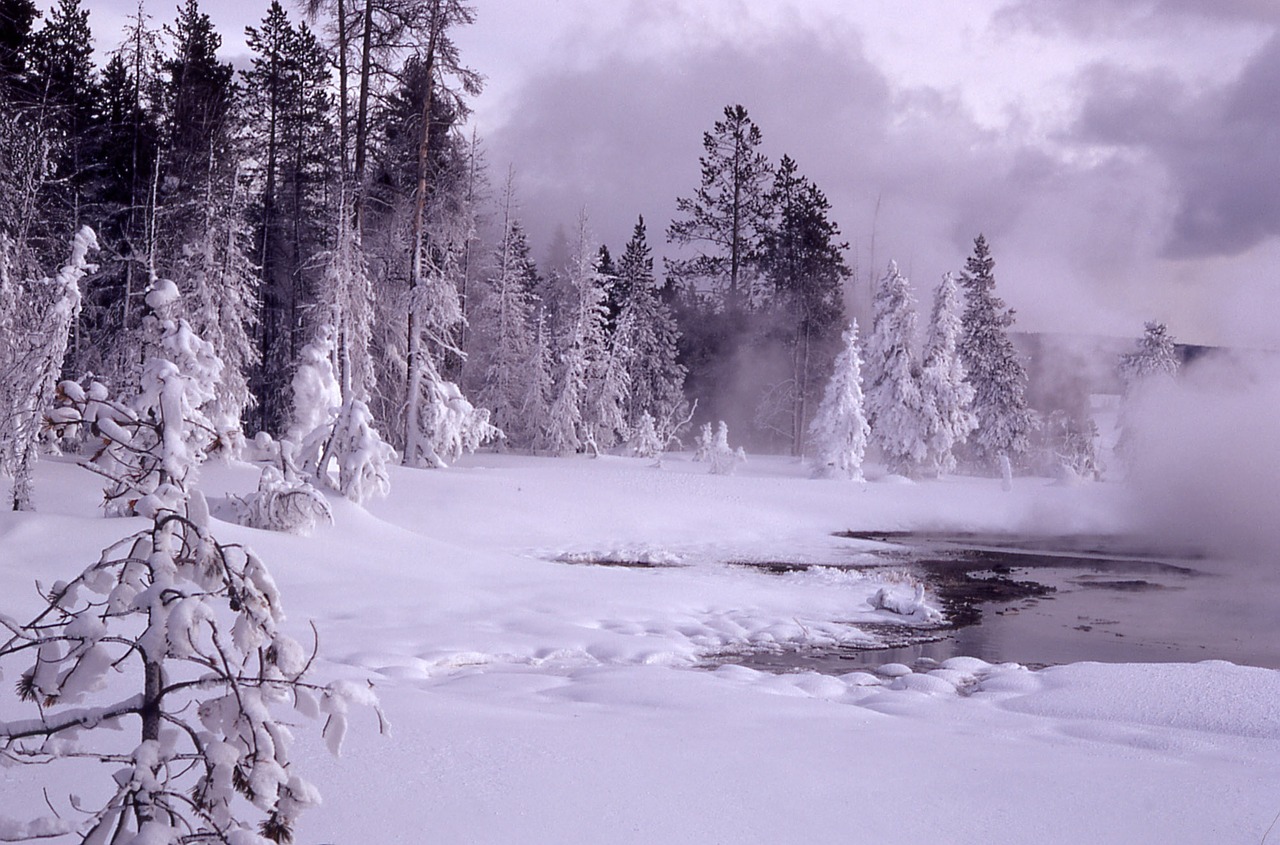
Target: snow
(537, 697)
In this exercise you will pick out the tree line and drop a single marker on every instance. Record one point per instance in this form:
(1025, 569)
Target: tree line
(324, 204)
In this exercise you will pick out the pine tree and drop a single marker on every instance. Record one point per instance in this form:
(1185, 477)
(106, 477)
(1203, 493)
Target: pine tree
(65, 84)
(947, 397)
(504, 333)
(646, 330)
(1154, 360)
(287, 106)
(193, 625)
(838, 433)
(895, 409)
(122, 197)
(992, 366)
(728, 214)
(1154, 357)
(203, 238)
(539, 391)
(17, 19)
(803, 258)
(582, 406)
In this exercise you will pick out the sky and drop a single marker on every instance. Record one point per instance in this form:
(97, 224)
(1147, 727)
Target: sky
(1120, 156)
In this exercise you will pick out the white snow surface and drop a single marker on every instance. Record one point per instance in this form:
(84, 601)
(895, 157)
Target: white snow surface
(536, 698)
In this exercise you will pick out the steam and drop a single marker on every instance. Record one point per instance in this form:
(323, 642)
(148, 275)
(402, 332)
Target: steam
(1205, 463)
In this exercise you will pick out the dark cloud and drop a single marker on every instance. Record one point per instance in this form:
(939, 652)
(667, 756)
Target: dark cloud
(1085, 224)
(1221, 148)
(1092, 17)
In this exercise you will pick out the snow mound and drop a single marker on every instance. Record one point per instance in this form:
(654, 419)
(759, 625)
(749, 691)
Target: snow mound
(905, 600)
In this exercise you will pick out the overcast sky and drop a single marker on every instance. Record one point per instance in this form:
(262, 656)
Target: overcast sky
(1121, 156)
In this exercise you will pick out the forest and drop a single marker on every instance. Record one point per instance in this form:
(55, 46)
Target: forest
(333, 233)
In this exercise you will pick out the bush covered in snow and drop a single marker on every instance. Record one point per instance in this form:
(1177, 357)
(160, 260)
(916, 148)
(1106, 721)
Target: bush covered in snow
(724, 459)
(283, 504)
(350, 444)
(192, 624)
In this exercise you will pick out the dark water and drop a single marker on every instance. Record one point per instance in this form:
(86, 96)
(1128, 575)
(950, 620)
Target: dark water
(1050, 600)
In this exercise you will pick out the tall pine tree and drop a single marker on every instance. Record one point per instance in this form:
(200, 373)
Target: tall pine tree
(992, 366)
(945, 394)
(838, 432)
(647, 332)
(895, 408)
(727, 216)
(804, 259)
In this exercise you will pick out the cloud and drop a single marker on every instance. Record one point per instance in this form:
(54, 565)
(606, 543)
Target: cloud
(1220, 147)
(1130, 209)
(1093, 17)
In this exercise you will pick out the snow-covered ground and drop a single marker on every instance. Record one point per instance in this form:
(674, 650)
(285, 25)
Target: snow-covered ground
(535, 698)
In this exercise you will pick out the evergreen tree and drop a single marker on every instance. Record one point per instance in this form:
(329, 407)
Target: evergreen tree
(66, 86)
(1154, 360)
(646, 330)
(803, 258)
(36, 319)
(992, 366)
(1154, 356)
(583, 404)
(17, 18)
(895, 409)
(287, 107)
(203, 239)
(122, 194)
(838, 433)
(727, 216)
(539, 391)
(199, 96)
(504, 331)
(945, 394)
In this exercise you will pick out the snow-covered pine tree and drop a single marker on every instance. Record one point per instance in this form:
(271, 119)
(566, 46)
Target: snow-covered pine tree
(992, 366)
(583, 404)
(193, 624)
(329, 431)
(607, 389)
(503, 333)
(316, 394)
(706, 440)
(895, 409)
(220, 296)
(647, 330)
(1154, 360)
(151, 444)
(36, 320)
(945, 394)
(1154, 356)
(451, 425)
(645, 442)
(535, 406)
(839, 430)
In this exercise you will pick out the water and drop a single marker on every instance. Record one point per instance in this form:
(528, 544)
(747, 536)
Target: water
(1049, 600)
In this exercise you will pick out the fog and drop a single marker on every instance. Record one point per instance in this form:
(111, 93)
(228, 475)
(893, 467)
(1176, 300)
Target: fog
(1206, 466)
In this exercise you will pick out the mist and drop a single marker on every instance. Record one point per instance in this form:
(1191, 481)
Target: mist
(1205, 468)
